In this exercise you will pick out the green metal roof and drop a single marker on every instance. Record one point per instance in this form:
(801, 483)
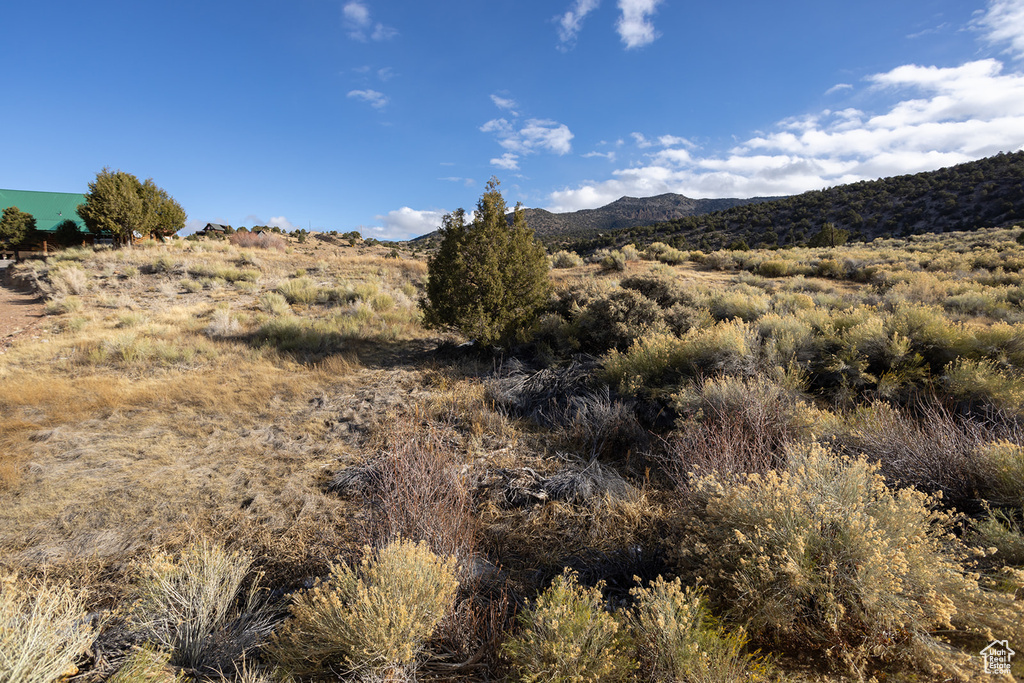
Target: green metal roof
(50, 209)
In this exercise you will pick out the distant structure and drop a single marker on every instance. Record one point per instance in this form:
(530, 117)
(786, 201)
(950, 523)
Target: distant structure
(50, 209)
(214, 229)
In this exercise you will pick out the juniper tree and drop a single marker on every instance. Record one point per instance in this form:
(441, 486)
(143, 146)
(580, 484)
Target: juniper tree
(16, 226)
(489, 278)
(120, 204)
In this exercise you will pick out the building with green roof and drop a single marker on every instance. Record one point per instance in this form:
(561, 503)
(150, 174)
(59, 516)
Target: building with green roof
(50, 209)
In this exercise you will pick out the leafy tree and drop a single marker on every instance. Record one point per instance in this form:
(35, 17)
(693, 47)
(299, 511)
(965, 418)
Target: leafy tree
(829, 236)
(121, 205)
(15, 226)
(488, 278)
(165, 215)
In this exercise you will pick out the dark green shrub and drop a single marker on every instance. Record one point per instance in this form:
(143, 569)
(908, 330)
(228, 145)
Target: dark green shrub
(488, 279)
(616, 320)
(614, 260)
(664, 291)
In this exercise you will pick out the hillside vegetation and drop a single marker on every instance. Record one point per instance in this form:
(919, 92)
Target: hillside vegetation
(959, 198)
(225, 462)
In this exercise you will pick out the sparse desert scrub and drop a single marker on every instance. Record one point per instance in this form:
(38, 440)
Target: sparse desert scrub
(223, 272)
(823, 554)
(614, 321)
(566, 259)
(417, 489)
(301, 290)
(61, 305)
(936, 450)
(147, 664)
(275, 303)
(67, 279)
(222, 324)
(372, 619)
(1003, 531)
(730, 426)
(613, 260)
(677, 639)
(132, 430)
(195, 606)
(249, 240)
(659, 359)
(567, 636)
(44, 630)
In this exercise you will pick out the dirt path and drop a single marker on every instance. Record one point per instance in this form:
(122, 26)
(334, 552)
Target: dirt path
(21, 314)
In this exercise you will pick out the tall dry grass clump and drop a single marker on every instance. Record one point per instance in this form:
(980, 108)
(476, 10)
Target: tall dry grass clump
(245, 240)
(43, 630)
(194, 605)
(731, 425)
(416, 488)
(824, 555)
(568, 637)
(373, 619)
(147, 664)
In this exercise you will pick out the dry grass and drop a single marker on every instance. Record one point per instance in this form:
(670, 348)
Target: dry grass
(181, 397)
(44, 630)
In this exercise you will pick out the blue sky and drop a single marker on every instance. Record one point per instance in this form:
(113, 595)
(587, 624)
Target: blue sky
(381, 116)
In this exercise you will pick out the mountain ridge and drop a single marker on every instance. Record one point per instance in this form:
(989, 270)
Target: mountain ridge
(624, 212)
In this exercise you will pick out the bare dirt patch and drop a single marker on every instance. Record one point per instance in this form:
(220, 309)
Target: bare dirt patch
(21, 313)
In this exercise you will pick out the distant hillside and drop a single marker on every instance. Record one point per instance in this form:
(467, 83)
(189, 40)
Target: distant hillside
(626, 212)
(988, 192)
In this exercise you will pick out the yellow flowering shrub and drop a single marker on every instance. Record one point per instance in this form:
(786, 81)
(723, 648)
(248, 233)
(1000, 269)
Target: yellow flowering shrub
(678, 640)
(824, 554)
(372, 619)
(568, 637)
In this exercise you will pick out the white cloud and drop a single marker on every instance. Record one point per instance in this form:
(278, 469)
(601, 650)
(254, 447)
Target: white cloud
(500, 126)
(634, 26)
(507, 161)
(1002, 24)
(672, 141)
(928, 31)
(386, 74)
(405, 223)
(937, 117)
(377, 100)
(570, 23)
(641, 141)
(356, 17)
(382, 32)
(468, 182)
(282, 222)
(838, 87)
(610, 156)
(547, 135)
(505, 103)
(356, 14)
(536, 135)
